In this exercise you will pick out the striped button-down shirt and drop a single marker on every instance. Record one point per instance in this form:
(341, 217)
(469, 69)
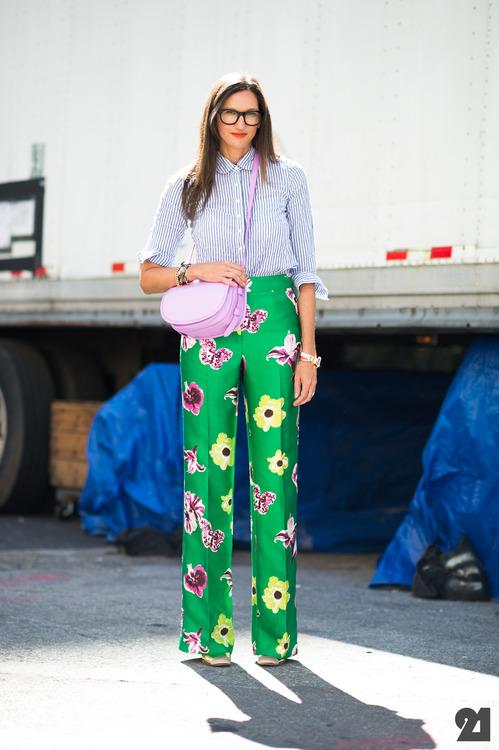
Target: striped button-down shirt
(281, 233)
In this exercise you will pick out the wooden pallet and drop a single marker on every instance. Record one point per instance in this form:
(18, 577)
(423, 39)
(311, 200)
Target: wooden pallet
(69, 427)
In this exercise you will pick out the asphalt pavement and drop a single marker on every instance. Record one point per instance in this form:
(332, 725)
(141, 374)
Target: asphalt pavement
(89, 657)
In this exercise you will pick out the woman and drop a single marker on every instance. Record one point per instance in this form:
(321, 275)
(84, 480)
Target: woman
(272, 353)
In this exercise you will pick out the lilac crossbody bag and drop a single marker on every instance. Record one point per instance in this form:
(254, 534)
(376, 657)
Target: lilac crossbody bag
(205, 309)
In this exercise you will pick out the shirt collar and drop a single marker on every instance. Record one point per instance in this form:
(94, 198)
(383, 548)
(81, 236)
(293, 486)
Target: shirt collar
(245, 162)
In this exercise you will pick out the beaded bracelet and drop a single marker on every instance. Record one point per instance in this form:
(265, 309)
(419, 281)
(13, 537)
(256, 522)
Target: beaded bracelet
(180, 274)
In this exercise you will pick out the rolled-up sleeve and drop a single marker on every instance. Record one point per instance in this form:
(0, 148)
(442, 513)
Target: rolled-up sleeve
(168, 227)
(301, 232)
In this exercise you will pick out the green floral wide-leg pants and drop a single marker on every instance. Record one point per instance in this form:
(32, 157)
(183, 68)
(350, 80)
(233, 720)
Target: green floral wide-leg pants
(262, 352)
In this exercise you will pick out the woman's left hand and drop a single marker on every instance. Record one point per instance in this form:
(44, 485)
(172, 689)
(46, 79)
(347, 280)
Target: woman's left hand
(305, 378)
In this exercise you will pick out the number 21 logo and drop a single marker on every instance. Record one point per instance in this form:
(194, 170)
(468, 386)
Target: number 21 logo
(468, 719)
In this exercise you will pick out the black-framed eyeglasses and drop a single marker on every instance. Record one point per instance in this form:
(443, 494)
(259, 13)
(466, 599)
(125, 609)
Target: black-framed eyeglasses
(231, 116)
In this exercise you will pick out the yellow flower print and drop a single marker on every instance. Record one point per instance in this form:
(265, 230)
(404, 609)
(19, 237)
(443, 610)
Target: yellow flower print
(222, 452)
(278, 462)
(223, 632)
(253, 590)
(269, 412)
(227, 501)
(276, 595)
(283, 646)
(245, 408)
(239, 330)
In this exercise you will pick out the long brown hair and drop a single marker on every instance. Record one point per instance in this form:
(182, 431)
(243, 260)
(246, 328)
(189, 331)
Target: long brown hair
(198, 183)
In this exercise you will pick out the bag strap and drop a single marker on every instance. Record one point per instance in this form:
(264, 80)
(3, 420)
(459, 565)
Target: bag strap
(251, 195)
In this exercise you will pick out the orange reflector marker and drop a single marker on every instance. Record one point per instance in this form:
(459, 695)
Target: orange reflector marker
(425, 338)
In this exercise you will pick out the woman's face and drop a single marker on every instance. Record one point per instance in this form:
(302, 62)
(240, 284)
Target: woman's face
(242, 101)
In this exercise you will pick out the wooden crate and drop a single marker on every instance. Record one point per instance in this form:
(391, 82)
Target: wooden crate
(69, 426)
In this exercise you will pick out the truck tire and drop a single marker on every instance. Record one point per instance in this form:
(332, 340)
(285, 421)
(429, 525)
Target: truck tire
(75, 374)
(26, 391)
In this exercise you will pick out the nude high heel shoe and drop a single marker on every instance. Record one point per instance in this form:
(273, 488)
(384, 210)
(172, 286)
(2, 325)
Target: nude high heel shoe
(269, 661)
(216, 661)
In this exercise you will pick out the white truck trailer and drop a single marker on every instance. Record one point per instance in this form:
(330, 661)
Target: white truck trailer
(392, 108)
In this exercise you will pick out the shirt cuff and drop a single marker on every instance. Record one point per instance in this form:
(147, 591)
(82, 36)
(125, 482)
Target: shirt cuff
(302, 277)
(154, 255)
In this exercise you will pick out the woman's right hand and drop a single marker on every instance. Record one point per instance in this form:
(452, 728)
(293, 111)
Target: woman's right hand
(232, 274)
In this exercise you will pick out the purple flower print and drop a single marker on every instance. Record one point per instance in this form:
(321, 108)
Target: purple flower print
(210, 355)
(192, 397)
(195, 579)
(253, 320)
(211, 538)
(194, 640)
(262, 500)
(186, 342)
(288, 536)
(291, 295)
(227, 576)
(286, 354)
(294, 475)
(192, 462)
(193, 511)
(232, 394)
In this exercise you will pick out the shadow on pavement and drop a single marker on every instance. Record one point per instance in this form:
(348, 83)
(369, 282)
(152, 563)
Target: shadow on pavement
(326, 719)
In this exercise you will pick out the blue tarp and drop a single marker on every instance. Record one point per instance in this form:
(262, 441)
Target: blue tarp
(359, 457)
(134, 461)
(361, 440)
(458, 491)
